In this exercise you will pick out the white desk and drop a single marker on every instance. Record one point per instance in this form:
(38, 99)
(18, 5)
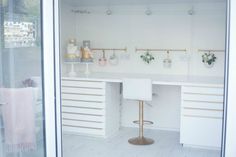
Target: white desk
(90, 105)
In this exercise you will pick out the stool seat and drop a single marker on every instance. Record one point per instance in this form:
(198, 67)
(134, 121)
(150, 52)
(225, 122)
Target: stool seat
(141, 90)
(137, 89)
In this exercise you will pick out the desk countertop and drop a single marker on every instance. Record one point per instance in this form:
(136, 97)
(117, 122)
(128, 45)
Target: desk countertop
(157, 79)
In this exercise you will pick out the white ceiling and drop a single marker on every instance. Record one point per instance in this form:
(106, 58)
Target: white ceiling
(131, 2)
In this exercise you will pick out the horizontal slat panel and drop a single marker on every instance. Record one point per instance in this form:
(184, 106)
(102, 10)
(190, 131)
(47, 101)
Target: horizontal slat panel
(203, 90)
(88, 84)
(83, 110)
(83, 117)
(83, 124)
(204, 113)
(202, 105)
(83, 104)
(203, 98)
(83, 97)
(87, 131)
(201, 131)
(89, 91)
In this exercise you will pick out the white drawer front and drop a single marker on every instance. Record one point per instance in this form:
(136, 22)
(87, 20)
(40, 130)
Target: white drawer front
(83, 97)
(83, 111)
(87, 131)
(202, 105)
(201, 131)
(86, 124)
(83, 84)
(203, 98)
(88, 91)
(83, 117)
(186, 112)
(203, 90)
(85, 104)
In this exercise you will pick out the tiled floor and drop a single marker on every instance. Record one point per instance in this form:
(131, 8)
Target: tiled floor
(166, 145)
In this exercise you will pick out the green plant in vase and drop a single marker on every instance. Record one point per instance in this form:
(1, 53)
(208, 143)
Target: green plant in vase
(209, 59)
(147, 57)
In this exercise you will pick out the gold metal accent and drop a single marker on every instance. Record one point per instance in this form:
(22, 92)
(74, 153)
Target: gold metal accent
(141, 140)
(210, 50)
(203, 109)
(160, 50)
(109, 49)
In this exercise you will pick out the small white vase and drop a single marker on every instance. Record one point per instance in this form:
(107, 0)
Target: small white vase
(209, 65)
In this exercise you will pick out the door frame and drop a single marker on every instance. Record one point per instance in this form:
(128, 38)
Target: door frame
(50, 75)
(229, 127)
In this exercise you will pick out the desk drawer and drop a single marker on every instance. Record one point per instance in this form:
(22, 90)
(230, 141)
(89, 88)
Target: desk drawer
(83, 124)
(86, 111)
(88, 91)
(82, 84)
(202, 105)
(202, 98)
(84, 104)
(204, 132)
(83, 117)
(81, 130)
(202, 113)
(79, 97)
(203, 90)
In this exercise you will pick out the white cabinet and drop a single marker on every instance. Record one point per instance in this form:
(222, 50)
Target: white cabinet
(90, 107)
(201, 116)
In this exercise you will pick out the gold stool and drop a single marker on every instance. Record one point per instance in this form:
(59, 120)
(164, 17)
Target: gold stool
(141, 140)
(139, 89)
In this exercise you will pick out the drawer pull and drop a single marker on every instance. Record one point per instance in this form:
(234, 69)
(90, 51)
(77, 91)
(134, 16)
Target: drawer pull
(208, 117)
(192, 108)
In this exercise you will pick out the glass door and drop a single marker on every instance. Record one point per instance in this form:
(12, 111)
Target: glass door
(23, 104)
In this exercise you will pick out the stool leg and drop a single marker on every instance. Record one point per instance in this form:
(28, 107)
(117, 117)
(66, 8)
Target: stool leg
(140, 119)
(141, 140)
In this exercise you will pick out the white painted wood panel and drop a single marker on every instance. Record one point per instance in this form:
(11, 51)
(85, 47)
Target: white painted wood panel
(83, 117)
(202, 98)
(204, 132)
(203, 90)
(83, 110)
(83, 97)
(87, 84)
(86, 104)
(90, 91)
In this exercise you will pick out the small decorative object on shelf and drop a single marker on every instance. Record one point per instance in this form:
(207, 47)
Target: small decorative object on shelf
(167, 62)
(147, 57)
(87, 57)
(72, 56)
(209, 59)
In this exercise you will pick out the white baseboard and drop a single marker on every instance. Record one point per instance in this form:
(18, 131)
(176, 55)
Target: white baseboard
(201, 147)
(152, 128)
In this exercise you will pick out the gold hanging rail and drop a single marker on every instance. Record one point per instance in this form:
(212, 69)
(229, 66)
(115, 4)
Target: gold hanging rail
(210, 50)
(109, 49)
(160, 50)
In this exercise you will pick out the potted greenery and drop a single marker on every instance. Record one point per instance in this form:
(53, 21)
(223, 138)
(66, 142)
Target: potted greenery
(147, 57)
(209, 59)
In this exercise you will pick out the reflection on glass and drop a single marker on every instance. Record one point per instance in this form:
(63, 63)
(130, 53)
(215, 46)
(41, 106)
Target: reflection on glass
(21, 105)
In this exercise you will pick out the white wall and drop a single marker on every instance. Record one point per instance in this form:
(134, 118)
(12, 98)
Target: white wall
(168, 27)
(68, 28)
